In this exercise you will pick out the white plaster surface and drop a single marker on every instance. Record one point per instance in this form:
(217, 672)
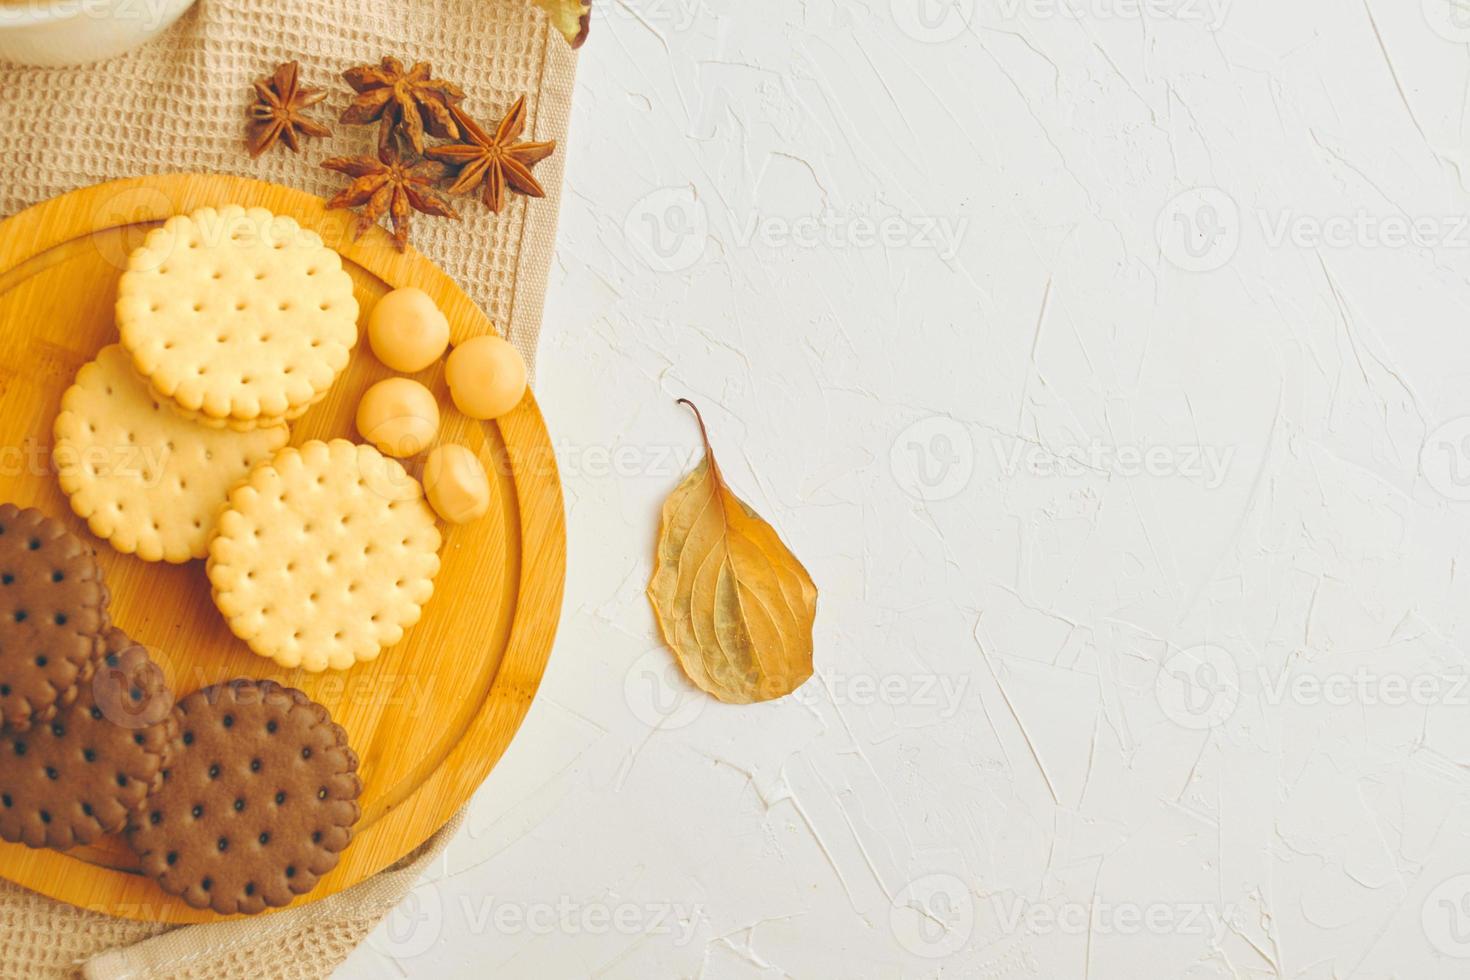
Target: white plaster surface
(1107, 362)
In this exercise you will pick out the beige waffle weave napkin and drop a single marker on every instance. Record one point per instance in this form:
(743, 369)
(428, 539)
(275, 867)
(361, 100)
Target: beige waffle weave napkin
(178, 104)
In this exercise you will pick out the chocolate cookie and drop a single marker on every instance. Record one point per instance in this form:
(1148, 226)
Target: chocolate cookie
(258, 800)
(79, 776)
(53, 614)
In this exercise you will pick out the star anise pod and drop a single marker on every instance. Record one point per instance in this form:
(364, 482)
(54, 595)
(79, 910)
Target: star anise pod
(498, 161)
(389, 184)
(278, 112)
(406, 102)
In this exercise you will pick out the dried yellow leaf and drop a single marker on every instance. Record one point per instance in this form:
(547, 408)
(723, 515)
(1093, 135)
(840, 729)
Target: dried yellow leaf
(732, 601)
(572, 17)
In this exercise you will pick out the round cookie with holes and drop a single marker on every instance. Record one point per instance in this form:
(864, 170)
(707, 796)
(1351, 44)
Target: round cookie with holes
(81, 775)
(143, 477)
(53, 614)
(257, 803)
(240, 318)
(324, 556)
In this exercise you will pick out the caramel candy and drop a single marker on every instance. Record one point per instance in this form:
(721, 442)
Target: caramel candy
(399, 416)
(407, 331)
(456, 484)
(487, 377)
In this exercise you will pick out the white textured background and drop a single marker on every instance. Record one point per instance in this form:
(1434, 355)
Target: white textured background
(1108, 364)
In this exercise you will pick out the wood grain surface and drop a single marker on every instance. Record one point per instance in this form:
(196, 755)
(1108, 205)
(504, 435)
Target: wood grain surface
(432, 715)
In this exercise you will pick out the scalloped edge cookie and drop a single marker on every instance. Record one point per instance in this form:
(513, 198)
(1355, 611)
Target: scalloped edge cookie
(47, 576)
(258, 801)
(146, 480)
(83, 774)
(237, 316)
(324, 556)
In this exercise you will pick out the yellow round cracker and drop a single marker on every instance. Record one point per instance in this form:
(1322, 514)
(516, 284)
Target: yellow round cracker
(240, 317)
(325, 556)
(145, 479)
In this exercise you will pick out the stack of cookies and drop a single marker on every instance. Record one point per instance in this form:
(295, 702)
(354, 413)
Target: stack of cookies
(241, 318)
(53, 617)
(237, 799)
(85, 715)
(172, 444)
(232, 323)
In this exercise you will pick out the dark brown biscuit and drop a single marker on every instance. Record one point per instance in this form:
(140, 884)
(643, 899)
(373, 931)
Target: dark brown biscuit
(257, 803)
(53, 613)
(81, 775)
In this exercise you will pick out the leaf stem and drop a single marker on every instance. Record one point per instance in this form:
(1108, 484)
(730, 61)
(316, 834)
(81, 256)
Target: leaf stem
(709, 452)
(703, 432)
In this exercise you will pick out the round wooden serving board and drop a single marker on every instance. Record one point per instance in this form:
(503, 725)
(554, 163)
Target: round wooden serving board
(431, 716)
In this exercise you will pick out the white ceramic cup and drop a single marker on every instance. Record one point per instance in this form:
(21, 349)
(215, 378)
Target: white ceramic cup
(48, 33)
